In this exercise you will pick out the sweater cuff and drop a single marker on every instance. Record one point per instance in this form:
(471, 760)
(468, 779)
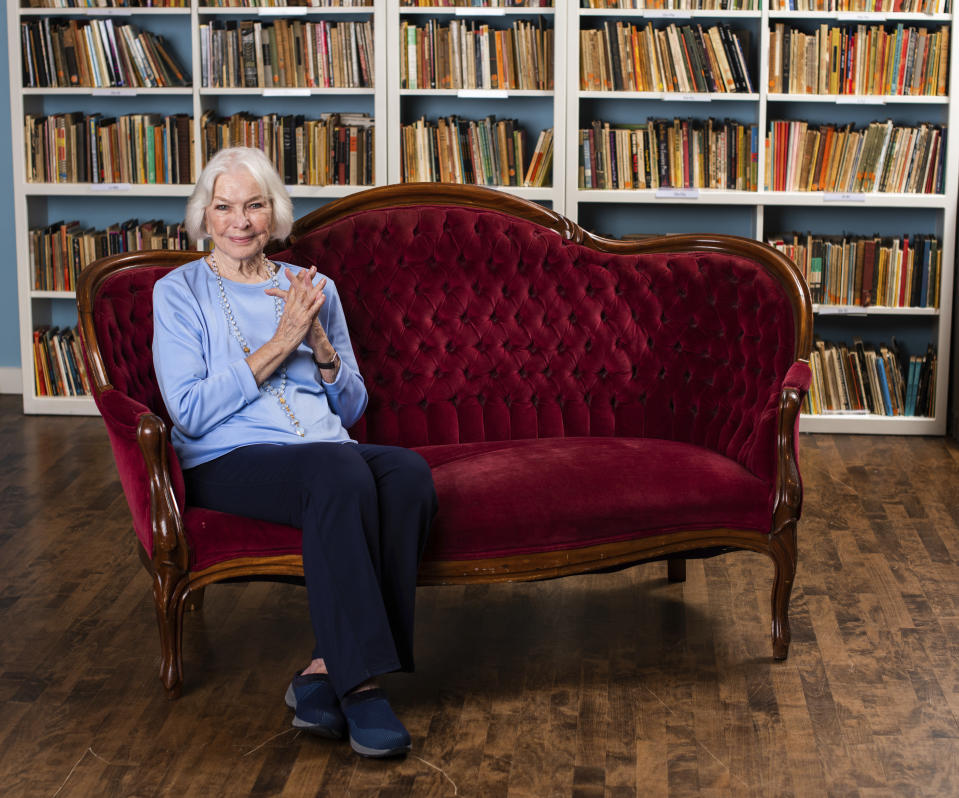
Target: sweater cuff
(245, 380)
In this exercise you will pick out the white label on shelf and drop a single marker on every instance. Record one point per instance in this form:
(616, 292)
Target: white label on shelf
(494, 94)
(859, 99)
(666, 13)
(277, 11)
(677, 193)
(843, 196)
(486, 12)
(687, 96)
(855, 16)
(289, 92)
(115, 91)
(110, 187)
(841, 310)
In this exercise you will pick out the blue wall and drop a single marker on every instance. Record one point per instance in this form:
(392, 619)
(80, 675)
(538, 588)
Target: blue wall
(9, 326)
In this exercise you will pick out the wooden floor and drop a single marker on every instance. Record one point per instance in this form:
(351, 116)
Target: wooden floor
(609, 685)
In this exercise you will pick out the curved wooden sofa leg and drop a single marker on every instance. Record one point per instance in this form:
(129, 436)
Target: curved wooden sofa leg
(169, 610)
(676, 569)
(782, 549)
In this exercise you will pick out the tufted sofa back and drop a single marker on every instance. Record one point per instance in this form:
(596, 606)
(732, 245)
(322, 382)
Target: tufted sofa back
(473, 324)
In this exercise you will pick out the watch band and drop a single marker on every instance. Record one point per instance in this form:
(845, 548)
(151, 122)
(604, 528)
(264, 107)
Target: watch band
(331, 364)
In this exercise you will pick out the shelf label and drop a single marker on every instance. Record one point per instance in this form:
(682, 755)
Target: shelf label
(287, 11)
(857, 16)
(487, 94)
(677, 193)
(860, 99)
(843, 196)
(841, 310)
(287, 92)
(110, 186)
(114, 91)
(666, 13)
(486, 12)
(687, 96)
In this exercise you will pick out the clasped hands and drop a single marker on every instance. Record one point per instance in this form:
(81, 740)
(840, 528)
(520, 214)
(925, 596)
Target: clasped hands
(299, 323)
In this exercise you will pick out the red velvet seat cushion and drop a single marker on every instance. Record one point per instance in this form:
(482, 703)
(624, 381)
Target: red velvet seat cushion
(217, 537)
(519, 497)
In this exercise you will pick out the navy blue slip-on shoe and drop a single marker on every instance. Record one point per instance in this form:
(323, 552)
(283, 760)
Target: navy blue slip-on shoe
(316, 707)
(375, 731)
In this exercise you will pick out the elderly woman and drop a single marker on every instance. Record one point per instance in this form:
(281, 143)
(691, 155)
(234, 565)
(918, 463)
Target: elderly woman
(255, 365)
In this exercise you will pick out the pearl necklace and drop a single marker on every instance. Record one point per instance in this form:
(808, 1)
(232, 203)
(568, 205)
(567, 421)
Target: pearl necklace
(278, 393)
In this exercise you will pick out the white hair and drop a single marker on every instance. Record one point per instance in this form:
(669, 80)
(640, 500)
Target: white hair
(230, 160)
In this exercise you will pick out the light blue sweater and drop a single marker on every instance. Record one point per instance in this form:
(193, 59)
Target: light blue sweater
(208, 387)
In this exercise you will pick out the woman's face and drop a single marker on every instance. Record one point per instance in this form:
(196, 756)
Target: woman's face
(239, 218)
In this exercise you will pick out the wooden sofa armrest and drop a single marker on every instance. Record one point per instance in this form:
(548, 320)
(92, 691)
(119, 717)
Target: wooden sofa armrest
(170, 547)
(788, 504)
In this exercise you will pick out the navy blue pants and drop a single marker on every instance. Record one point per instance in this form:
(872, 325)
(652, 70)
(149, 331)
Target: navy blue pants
(365, 512)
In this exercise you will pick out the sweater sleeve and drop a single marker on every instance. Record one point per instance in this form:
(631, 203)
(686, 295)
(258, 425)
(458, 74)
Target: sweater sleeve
(347, 394)
(197, 396)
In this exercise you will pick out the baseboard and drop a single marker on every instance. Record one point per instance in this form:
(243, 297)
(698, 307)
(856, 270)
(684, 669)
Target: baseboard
(11, 380)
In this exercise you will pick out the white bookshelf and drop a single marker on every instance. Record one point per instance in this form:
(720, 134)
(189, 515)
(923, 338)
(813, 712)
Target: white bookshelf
(756, 213)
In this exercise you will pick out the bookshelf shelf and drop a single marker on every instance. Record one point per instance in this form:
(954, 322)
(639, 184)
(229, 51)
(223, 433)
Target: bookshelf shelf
(857, 99)
(868, 424)
(475, 11)
(668, 14)
(670, 96)
(104, 189)
(104, 12)
(865, 17)
(874, 310)
(286, 12)
(285, 91)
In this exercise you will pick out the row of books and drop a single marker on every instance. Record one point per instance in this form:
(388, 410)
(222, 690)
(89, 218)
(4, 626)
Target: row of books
(681, 5)
(677, 58)
(485, 152)
(869, 59)
(60, 251)
(106, 3)
(336, 149)
(477, 3)
(466, 54)
(136, 148)
(674, 153)
(883, 157)
(901, 272)
(58, 365)
(285, 53)
(285, 3)
(95, 53)
(861, 379)
(884, 6)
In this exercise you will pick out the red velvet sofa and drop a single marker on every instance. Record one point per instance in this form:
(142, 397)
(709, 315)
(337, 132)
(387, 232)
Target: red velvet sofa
(584, 403)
